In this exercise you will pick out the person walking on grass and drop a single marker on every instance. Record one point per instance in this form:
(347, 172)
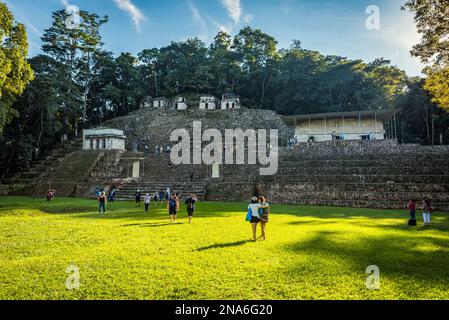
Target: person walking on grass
(155, 198)
(138, 197)
(263, 215)
(102, 200)
(427, 210)
(253, 209)
(412, 211)
(147, 201)
(161, 195)
(190, 203)
(172, 207)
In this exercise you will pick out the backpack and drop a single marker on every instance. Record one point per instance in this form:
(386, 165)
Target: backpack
(172, 204)
(412, 222)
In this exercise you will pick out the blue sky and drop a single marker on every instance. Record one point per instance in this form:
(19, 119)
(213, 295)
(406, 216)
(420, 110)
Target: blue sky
(329, 26)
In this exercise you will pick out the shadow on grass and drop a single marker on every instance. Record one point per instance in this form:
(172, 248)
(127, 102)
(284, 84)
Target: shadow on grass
(225, 245)
(422, 259)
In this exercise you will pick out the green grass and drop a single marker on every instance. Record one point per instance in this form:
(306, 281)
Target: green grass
(311, 253)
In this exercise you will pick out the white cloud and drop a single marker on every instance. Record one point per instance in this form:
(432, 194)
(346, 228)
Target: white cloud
(235, 11)
(136, 15)
(197, 16)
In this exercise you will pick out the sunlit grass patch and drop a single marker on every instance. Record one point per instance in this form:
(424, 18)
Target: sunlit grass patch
(311, 252)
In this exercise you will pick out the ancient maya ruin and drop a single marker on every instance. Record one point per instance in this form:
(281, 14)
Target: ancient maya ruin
(337, 159)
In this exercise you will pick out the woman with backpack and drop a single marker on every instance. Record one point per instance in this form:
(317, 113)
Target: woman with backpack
(263, 214)
(427, 210)
(253, 212)
(190, 203)
(173, 207)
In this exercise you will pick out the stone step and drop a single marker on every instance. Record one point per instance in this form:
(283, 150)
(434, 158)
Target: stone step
(372, 187)
(365, 196)
(374, 204)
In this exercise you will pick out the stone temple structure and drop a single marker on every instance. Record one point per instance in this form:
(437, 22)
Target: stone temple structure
(103, 139)
(180, 103)
(230, 101)
(208, 103)
(357, 172)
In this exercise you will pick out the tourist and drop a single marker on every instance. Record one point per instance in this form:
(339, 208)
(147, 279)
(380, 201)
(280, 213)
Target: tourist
(111, 195)
(138, 196)
(102, 203)
(155, 198)
(412, 210)
(190, 203)
(146, 201)
(172, 206)
(161, 195)
(253, 209)
(427, 210)
(263, 215)
(167, 194)
(49, 195)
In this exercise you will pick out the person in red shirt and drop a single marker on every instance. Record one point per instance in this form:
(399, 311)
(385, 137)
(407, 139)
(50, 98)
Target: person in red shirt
(412, 209)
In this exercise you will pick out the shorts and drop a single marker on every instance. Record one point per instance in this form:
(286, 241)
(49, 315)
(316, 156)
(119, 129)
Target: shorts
(190, 212)
(172, 212)
(255, 220)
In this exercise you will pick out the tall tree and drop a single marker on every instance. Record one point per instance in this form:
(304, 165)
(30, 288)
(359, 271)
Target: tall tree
(258, 55)
(15, 72)
(431, 17)
(224, 65)
(75, 46)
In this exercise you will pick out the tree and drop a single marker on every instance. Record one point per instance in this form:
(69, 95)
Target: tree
(15, 72)
(431, 17)
(75, 47)
(39, 122)
(224, 65)
(437, 83)
(258, 57)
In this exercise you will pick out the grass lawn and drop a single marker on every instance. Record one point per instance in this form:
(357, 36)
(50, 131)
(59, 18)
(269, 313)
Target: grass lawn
(311, 253)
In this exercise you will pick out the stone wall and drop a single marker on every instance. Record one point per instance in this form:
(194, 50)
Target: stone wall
(157, 125)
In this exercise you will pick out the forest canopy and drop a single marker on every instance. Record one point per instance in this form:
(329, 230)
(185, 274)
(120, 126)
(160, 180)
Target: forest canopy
(78, 84)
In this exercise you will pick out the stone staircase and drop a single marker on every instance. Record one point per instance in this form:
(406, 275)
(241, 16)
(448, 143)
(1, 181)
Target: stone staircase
(128, 190)
(38, 168)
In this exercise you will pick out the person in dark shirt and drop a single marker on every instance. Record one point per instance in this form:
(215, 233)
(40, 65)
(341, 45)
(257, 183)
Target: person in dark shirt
(138, 196)
(190, 203)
